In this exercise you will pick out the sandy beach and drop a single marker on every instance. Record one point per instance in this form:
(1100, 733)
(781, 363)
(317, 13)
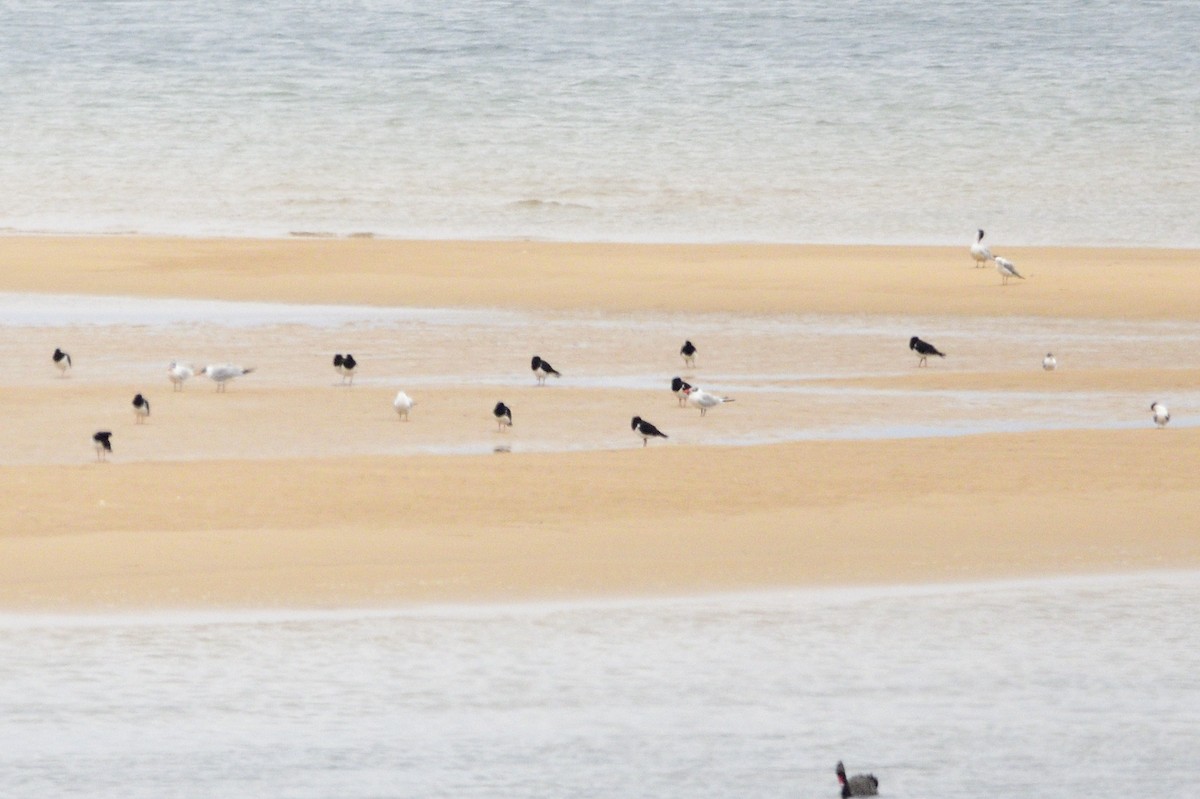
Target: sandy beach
(291, 490)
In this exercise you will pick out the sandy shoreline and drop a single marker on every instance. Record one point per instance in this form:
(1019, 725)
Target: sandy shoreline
(327, 527)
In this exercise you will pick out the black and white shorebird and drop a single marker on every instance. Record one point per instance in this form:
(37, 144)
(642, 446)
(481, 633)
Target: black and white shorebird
(1049, 363)
(1161, 414)
(179, 373)
(646, 430)
(403, 404)
(980, 251)
(141, 408)
(680, 387)
(503, 416)
(688, 353)
(62, 360)
(1006, 269)
(224, 372)
(345, 365)
(923, 349)
(542, 370)
(103, 446)
(858, 785)
(699, 398)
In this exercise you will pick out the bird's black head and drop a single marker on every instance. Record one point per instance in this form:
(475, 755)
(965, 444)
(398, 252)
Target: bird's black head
(841, 771)
(677, 384)
(501, 409)
(912, 342)
(58, 354)
(138, 400)
(980, 235)
(348, 362)
(688, 348)
(338, 359)
(634, 424)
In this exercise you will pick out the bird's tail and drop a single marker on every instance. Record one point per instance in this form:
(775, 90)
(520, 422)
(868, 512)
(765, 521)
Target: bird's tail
(248, 370)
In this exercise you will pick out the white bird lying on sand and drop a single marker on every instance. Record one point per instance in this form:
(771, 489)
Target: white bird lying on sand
(1161, 414)
(403, 404)
(703, 400)
(179, 373)
(1049, 363)
(1006, 269)
(224, 372)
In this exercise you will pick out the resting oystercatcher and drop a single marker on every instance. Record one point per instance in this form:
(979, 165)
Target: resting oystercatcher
(1161, 414)
(646, 430)
(403, 404)
(224, 372)
(542, 370)
(688, 351)
(1006, 269)
(923, 349)
(141, 408)
(858, 785)
(344, 364)
(102, 443)
(179, 373)
(1049, 363)
(679, 387)
(980, 252)
(62, 360)
(503, 416)
(703, 400)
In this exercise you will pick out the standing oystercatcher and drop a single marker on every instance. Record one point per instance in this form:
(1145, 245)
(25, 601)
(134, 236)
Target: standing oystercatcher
(646, 430)
(344, 364)
(679, 387)
(542, 370)
(503, 416)
(923, 349)
(688, 352)
(102, 443)
(141, 408)
(62, 360)
(980, 252)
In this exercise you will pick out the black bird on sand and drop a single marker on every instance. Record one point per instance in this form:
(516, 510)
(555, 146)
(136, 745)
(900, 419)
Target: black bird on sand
(503, 416)
(542, 370)
(646, 430)
(103, 445)
(688, 351)
(923, 349)
(679, 387)
(62, 360)
(141, 408)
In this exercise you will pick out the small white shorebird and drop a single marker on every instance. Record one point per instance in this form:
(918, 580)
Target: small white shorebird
(403, 404)
(224, 372)
(62, 360)
(179, 373)
(542, 370)
(1161, 414)
(141, 408)
(703, 400)
(980, 252)
(1006, 269)
(1049, 363)
(688, 353)
(100, 440)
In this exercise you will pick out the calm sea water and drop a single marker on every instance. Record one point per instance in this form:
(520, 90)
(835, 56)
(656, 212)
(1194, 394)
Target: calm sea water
(1069, 687)
(1062, 122)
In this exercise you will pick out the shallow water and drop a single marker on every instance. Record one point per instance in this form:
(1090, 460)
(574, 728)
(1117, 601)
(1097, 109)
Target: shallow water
(1040, 688)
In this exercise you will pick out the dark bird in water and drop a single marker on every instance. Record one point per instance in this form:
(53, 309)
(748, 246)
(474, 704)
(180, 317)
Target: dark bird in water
(62, 360)
(141, 408)
(679, 387)
(542, 370)
(103, 445)
(344, 364)
(923, 349)
(858, 785)
(688, 351)
(503, 416)
(646, 430)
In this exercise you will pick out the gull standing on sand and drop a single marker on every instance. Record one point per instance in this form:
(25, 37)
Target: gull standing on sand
(923, 349)
(141, 408)
(680, 388)
(179, 373)
(1006, 269)
(1049, 363)
(62, 360)
(980, 252)
(542, 370)
(345, 366)
(1161, 414)
(403, 404)
(703, 400)
(503, 416)
(646, 430)
(223, 373)
(688, 352)
(103, 446)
